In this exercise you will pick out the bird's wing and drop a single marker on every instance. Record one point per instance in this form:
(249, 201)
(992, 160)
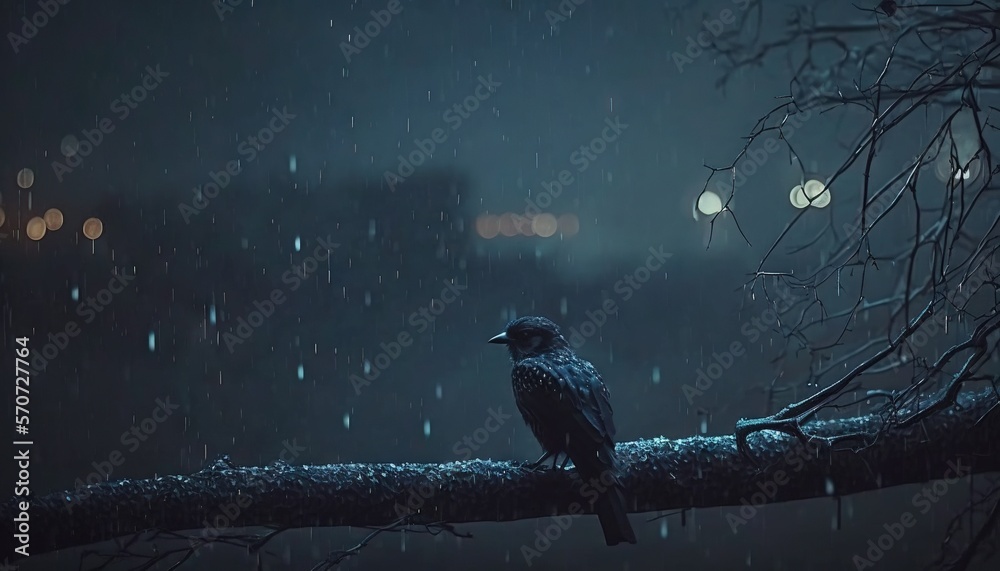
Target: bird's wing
(582, 397)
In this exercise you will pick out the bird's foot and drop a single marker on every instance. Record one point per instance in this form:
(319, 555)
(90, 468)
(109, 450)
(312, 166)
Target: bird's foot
(539, 465)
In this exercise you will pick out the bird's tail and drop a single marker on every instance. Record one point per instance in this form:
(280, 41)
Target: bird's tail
(610, 508)
(609, 505)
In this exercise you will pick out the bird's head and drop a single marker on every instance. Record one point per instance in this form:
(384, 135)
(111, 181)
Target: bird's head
(530, 336)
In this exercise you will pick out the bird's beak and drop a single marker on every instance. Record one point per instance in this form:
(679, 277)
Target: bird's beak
(502, 338)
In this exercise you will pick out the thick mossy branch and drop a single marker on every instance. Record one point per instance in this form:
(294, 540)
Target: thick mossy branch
(659, 474)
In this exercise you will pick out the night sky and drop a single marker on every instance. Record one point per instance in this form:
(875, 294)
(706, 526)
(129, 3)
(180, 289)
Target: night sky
(307, 236)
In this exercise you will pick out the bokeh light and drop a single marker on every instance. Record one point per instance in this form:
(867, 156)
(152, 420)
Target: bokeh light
(488, 226)
(798, 197)
(544, 225)
(53, 218)
(816, 193)
(946, 169)
(569, 225)
(709, 203)
(92, 228)
(36, 228)
(25, 178)
(508, 227)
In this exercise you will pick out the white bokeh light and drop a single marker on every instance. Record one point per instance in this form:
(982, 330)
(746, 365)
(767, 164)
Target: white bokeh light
(709, 203)
(798, 197)
(816, 193)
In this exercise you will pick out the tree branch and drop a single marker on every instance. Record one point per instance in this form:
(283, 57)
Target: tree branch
(659, 474)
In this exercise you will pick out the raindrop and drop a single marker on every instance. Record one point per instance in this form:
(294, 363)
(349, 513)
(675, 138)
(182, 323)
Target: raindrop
(438, 391)
(829, 487)
(663, 528)
(704, 425)
(371, 229)
(298, 244)
(74, 293)
(368, 299)
(656, 375)
(347, 420)
(211, 314)
(563, 307)
(367, 367)
(292, 164)
(25, 178)
(152, 341)
(427, 428)
(301, 372)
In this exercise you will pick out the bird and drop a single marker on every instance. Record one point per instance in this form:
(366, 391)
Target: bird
(567, 406)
